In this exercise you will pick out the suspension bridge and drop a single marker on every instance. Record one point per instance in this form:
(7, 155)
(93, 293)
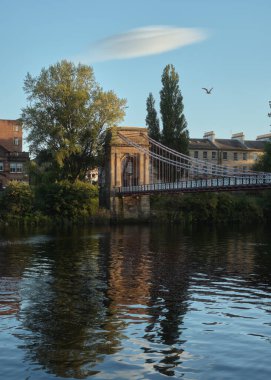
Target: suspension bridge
(138, 166)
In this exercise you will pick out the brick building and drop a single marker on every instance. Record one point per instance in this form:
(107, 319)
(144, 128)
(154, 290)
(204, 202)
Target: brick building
(12, 159)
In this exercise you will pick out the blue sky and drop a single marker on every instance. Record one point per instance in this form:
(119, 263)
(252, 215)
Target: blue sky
(224, 44)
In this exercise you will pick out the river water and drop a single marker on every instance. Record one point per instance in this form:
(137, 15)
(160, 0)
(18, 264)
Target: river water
(136, 302)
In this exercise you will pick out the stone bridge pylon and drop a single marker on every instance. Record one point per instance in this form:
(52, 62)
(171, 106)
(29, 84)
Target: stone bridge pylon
(125, 165)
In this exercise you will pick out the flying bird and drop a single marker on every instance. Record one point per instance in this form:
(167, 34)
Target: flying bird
(207, 91)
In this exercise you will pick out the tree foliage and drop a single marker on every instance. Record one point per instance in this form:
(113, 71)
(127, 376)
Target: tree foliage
(17, 199)
(174, 131)
(66, 118)
(152, 120)
(264, 162)
(226, 208)
(67, 200)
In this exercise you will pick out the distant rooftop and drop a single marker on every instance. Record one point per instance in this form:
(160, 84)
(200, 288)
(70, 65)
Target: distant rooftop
(236, 142)
(265, 137)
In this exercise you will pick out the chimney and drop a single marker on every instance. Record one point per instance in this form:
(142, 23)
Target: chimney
(238, 136)
(265, 137)
(209, 135)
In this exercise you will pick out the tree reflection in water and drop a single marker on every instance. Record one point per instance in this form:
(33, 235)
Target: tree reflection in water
(90, 302)
(67, 327)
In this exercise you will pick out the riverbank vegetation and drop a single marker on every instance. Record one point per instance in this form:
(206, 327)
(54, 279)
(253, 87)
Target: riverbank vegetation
(65, 203)
(60, 203)
(239, 207)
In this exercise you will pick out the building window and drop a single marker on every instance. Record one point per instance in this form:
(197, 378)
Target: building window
(16, 128)
(245, 156)
(244, 168)
(16, 141)
(1, 166)
(235, 156)
(225, 155)
(255, 156)
(16, 167)
(213, 155)
(235, 169)
(205, 155)
(195, 169)
(196, 154)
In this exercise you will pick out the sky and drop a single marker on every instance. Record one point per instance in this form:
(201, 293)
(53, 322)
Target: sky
(224, 44)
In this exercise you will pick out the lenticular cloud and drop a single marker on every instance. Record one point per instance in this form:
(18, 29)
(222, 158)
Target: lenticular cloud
(143, 41)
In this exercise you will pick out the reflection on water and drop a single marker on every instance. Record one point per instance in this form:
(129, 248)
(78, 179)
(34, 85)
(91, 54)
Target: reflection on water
(136, 303)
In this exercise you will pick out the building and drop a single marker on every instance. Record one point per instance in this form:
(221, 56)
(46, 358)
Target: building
(12, 159)
(236, 152)
(92, 176)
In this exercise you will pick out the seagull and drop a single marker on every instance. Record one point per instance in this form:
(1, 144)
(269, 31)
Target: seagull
(207, 91)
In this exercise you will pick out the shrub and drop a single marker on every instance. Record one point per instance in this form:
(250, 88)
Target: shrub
(16, 199)
(210, 207)
(67, 200)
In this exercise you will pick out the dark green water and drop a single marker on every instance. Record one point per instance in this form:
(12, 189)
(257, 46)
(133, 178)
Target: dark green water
(136, 303)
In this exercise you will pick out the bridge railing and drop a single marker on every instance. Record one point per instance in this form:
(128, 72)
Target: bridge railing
(197, 184)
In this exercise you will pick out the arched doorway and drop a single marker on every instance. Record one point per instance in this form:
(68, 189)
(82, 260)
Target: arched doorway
(130, 170)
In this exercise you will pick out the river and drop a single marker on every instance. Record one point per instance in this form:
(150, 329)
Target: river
(136, 302)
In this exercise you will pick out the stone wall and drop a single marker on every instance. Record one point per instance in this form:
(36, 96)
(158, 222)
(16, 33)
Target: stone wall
(132, 207)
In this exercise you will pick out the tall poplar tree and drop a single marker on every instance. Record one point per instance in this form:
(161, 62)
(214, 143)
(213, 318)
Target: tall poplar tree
(174, 132)
(152, 120)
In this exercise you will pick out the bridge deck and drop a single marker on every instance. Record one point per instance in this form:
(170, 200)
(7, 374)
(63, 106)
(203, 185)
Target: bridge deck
(200, 185)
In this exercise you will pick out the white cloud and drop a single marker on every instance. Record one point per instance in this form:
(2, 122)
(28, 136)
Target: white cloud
(143, 41)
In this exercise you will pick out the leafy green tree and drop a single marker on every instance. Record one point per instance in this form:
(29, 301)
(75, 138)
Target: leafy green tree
(66, 117)
(17, 199)
(264, 162)
(43, 169)
(174, 131)
(67, 200)
(152, 120)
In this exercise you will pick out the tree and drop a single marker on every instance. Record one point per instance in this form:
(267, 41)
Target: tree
(174, 132)
(67, 115)
(16, 200)
(264, 162)
(152, 120)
